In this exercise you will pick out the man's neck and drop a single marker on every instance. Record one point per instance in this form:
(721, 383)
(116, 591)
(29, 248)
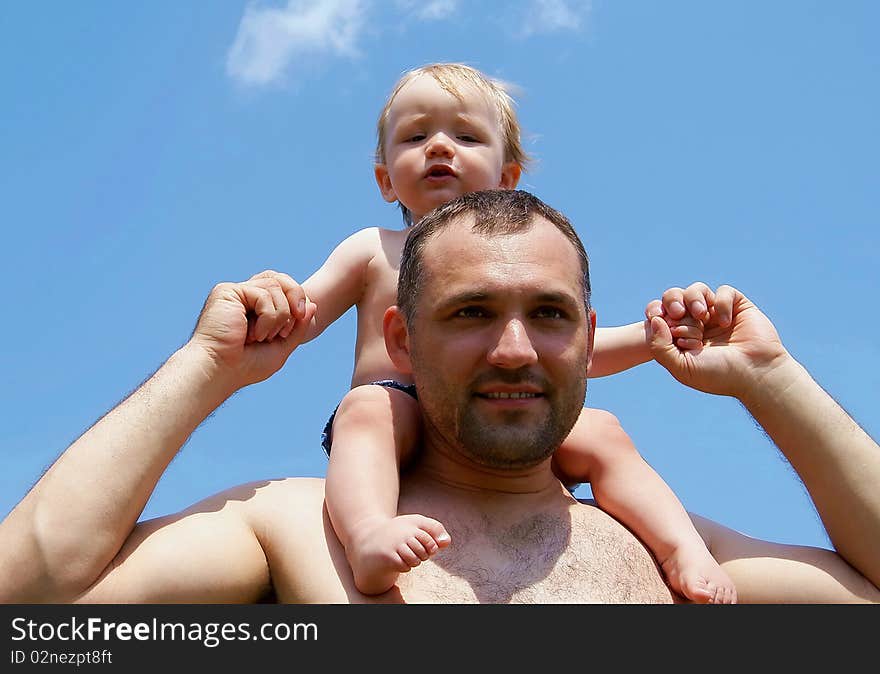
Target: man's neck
(452, 470)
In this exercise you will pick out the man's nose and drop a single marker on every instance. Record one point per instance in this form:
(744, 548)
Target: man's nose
(440, 145)
(514, 347)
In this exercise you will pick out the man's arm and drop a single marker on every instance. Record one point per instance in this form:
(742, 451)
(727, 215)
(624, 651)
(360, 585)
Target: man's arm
(742, 356)
(209, 553)
(73, 528)
(766, 572)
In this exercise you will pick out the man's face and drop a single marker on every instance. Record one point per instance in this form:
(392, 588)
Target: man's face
(499, 343)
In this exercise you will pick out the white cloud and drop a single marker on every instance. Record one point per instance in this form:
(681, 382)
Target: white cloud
(548, 16)
(269, 39)
(432, 9)
(274, 40)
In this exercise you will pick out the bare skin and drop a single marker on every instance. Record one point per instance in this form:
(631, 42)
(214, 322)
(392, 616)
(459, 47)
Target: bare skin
(379, 544)
(274, 541)
(610, 467)
(438, 147)
(68, 541)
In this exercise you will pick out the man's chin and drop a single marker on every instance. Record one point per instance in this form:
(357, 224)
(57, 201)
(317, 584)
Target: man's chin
(523, 418)
(502, 447)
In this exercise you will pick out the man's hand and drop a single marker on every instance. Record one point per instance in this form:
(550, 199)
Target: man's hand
(685, 311)
(739, 344)
(249, 329)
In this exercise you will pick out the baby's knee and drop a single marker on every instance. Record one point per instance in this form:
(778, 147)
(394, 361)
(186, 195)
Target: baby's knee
(599, 421)
(375, 406)
(604, 431)
(365, 402)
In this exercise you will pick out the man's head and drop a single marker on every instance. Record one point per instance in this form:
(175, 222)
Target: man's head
(494, 323)
(454, 120)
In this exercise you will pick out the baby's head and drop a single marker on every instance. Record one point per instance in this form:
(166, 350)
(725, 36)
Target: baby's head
(466, 115)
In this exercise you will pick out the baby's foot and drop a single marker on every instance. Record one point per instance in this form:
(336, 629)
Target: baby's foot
(383, 548)
(696, 575)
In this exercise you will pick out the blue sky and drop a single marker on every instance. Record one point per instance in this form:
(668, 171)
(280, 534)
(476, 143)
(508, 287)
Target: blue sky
(151, 150)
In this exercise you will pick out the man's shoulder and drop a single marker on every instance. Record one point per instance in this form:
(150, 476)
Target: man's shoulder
(291, 494)
(305, 488)
(282, 508)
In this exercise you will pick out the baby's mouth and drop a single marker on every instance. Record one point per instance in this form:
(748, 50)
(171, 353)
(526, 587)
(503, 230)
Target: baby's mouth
(440, 171)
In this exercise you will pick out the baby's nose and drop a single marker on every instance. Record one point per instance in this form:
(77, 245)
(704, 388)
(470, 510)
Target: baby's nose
(440, 145)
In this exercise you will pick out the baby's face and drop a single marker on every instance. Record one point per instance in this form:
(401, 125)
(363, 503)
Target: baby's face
(439, 147)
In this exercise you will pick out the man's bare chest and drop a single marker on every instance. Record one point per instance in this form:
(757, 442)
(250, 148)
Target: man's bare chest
(540, 562)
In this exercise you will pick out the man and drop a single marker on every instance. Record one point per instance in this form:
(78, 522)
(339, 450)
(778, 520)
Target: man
(500, 303)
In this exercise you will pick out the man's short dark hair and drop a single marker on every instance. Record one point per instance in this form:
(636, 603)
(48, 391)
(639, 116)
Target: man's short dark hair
(495, 213)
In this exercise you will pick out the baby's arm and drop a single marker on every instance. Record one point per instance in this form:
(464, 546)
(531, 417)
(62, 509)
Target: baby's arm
(620, 348)
(340, 282)
(374, 433)
(600, 452)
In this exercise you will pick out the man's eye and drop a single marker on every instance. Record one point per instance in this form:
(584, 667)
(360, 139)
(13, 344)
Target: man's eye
(470, 312)
(549, 312)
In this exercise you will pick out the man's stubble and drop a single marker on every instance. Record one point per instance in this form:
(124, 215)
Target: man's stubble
(511, 440)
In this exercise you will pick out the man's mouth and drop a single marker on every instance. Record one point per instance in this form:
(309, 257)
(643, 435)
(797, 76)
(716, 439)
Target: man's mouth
(509, 396)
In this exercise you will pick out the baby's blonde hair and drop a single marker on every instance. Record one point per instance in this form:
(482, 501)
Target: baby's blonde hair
(451, 77)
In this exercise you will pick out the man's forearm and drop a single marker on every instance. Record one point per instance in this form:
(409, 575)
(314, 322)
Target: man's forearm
(70, 526)
(838, 462)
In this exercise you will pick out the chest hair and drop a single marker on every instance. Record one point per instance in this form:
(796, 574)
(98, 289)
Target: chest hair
(543, 558)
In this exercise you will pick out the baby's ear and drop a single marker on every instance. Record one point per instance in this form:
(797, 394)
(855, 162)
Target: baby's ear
(383, 180)
(397, 339)
(510, 174)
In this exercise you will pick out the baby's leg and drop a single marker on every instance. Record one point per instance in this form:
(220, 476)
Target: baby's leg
(375, 431)
(600, 452)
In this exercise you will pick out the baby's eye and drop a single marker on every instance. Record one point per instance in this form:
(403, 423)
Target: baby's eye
(468, 138)
(415, 138)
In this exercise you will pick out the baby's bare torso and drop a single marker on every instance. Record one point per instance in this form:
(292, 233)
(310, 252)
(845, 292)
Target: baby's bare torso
(371, 361)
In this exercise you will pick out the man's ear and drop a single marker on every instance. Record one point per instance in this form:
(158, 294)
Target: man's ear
(383, 180)
(510, 174)
(591, 339)
(397, 339)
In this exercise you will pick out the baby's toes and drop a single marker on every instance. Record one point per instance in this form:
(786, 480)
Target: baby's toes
(701, 591)
(426, 542)
(436, 531)
(407, 551)
(725, 595)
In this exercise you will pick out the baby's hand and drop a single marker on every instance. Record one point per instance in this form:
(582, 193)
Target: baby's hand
(685, 311)
(291, 299)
